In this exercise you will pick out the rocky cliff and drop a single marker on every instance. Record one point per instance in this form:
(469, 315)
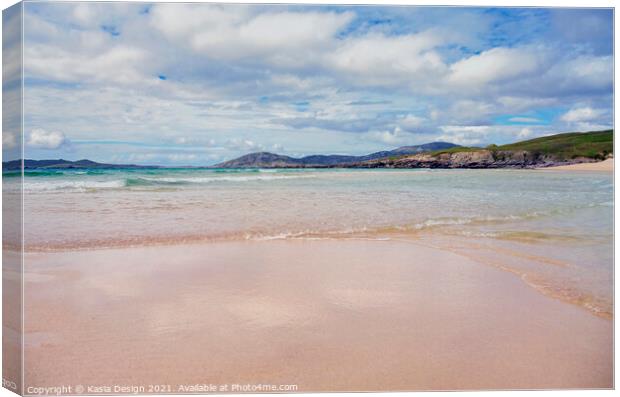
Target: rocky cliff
(472, 159)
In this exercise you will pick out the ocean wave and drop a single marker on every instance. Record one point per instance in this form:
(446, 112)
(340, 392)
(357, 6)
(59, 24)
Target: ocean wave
(52, 186)
(524, 236)
(208, 179)
(56, 185)
(439, 222)
(31, 173)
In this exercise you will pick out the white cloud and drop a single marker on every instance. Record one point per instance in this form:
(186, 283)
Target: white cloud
(389, 137)
(524, 133)
(118, 64)
(484, 135)
(591, 126)
(464, 135)
(244, 145)
(411, 122)
(581, 114)
(42, 139)
(300, 40)
(183, 21)
(583, 74)
(9, 140)
(394, 137)
(595, 71)
(469, 112)
(495, 65)
(84, 13)
(377, 59)
(291, 81)
(234, 33)
(291, 30)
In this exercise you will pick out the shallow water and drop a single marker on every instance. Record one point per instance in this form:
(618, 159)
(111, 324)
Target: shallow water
(553, 229)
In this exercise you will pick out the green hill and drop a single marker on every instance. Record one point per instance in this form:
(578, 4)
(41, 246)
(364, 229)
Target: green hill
(595, 145)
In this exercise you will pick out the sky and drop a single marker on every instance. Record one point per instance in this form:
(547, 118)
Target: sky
(197, 84)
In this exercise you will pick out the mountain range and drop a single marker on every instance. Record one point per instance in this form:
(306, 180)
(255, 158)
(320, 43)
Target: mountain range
(272, 160)
(15, 165)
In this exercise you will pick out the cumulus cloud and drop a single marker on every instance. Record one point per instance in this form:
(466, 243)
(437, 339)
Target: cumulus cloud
(378, 59)
(581, 114)
(411, 122)
(465, 135)
(119, 64)
(235, 32)
(495, 65)
(42, 139)
(184, 20)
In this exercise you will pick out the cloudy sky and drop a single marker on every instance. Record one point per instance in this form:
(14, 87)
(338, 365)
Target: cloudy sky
(197, 84)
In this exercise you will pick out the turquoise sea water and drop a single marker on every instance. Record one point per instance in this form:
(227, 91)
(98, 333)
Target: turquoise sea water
(552, 228)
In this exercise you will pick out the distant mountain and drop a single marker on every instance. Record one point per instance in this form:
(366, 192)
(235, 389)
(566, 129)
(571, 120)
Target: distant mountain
(261, 160)
(15, 165)
(271, 160)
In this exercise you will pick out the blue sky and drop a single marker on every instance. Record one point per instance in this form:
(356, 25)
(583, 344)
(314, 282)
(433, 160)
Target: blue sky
(197, 84)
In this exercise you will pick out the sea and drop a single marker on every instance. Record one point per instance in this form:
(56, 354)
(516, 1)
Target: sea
(553, 229)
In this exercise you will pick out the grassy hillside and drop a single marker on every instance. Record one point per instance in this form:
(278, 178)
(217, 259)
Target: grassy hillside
(595, 145)
(456, 150)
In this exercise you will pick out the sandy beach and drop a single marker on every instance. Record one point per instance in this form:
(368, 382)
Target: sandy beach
(340, 315)
(605, 165)
(328, 280)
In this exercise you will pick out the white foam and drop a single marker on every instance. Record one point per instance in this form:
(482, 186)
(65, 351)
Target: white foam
(80, 186)
(228, 178)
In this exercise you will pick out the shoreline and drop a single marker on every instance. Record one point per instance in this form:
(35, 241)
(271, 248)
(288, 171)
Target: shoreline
(606, 165)
(382, 315)
(438, 241)
(479, 164)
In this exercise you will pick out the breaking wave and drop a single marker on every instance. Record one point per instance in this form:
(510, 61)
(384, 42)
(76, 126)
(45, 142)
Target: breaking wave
(54, 185)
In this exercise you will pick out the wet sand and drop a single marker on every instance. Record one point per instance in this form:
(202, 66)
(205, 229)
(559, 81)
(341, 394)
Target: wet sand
(605, 165)
(11, 319)
(346, 315)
